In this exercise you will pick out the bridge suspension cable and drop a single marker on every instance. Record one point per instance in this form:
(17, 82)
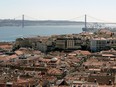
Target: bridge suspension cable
(31, 18)
(26, 17)
(99, 20)
(76, 18)
(18, 17)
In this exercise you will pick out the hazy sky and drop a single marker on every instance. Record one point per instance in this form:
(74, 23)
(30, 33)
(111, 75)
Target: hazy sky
(59, 9)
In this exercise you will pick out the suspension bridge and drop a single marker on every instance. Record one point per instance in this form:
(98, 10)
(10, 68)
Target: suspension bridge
(23, 19)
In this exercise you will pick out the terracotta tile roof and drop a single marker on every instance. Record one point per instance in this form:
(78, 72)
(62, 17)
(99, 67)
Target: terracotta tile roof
(6, 47)
(107, 55)
(36, 52)
(12, 56)
(23, 81)
(19, 52)
(44, 60)
(82, 52)
(54, 71)
(6, 58)
(85, 52)
(93, 62)
(51, 78)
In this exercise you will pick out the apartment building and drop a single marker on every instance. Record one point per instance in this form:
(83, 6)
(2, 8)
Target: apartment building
(67, 43)
(98, 44)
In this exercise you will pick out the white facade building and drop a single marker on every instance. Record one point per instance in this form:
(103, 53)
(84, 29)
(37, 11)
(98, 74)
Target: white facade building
(98, 44)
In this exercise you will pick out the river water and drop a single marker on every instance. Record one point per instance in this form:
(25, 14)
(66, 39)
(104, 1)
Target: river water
(11, 33)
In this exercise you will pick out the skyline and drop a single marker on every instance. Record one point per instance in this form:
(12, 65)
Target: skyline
(59, 9)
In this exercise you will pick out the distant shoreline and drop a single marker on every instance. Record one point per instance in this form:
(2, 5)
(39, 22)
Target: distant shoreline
(11, 22)
(37, 23)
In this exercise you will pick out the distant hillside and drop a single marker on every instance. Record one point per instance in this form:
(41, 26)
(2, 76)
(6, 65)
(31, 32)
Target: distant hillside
(35, 23)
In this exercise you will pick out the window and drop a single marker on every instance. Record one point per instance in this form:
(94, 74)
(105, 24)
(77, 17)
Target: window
(108, 42)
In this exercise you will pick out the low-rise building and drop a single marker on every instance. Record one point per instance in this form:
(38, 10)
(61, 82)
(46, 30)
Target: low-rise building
(102, 79)
(67, 43)
(98, 44)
